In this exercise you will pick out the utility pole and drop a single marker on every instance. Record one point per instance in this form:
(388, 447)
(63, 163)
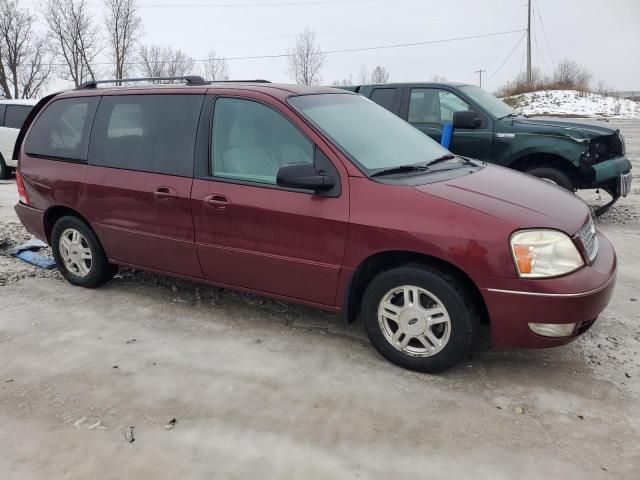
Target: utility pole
(480, 72)
(529, 77)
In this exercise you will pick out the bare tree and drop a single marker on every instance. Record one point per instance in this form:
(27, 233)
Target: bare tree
(157, 61)
(124, 28)
(306, 59)
(379, 75)
(343, 82)
(439, 79)
(571, 75)
(25, 62)
(363, 76)
(215, 67)
(75, 36)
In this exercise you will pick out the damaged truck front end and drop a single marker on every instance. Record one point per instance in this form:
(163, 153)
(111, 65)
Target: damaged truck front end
(589, 156)
(604, 165)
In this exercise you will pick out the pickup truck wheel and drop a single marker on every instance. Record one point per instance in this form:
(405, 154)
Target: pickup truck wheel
(5, 172)
(79, 255)
(419, 318)
(554, 176)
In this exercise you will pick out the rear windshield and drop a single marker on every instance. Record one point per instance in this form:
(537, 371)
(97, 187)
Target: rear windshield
(369, 134)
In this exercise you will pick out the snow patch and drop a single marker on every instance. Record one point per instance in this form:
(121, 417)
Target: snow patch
(572, 102)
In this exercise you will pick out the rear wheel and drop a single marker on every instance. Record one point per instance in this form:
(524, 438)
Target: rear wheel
(419, 318)
(553, 175)
(79, 255)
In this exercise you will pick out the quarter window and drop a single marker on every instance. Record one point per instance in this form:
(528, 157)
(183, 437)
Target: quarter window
(2, 108)
(150, 133)
(252, 141)
(62, 130)
(16, 115)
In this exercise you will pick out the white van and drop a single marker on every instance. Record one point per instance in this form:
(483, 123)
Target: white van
(12, 115)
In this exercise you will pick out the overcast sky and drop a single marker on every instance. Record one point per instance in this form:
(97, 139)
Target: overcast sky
(604, 37)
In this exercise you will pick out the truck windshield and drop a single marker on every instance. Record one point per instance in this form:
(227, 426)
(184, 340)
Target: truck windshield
(370, 135)
(493, 105)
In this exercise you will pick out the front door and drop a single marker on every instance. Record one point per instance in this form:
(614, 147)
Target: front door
(430, 109)
(251, 233)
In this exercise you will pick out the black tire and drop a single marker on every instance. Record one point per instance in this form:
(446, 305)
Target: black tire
(5, 171)
(556, 176)
(100, 270)
(463, 314)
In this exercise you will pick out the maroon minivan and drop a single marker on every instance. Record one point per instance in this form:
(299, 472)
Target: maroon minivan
(316, 196)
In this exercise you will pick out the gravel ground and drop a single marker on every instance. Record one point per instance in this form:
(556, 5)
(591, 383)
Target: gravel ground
(261, 386)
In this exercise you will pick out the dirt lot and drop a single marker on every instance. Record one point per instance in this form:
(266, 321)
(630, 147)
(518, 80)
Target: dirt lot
(263, 389)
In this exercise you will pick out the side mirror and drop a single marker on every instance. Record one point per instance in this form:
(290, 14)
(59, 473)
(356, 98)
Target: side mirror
(466, 119)
(304, 176)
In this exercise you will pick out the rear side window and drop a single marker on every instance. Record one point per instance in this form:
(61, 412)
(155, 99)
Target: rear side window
(384, 97)
(150, 133)
(62, 130)
(16, 115)
(2, 108)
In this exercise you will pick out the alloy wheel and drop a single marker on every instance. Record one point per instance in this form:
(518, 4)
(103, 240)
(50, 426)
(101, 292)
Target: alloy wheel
(414, 321)
(75, 252)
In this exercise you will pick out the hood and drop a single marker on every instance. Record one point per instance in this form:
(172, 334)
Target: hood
(574, 129)
(514, 197)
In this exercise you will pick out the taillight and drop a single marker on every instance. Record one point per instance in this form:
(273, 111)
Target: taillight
(21, 191)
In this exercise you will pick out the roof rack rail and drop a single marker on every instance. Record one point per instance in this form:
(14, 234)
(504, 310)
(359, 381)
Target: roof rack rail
(189, 79)
(256, 80)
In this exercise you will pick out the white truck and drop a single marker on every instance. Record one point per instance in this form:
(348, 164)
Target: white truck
(12, 115)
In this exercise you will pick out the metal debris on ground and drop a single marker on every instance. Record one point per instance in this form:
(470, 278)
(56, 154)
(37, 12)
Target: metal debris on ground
(170, 424)
(128, 434)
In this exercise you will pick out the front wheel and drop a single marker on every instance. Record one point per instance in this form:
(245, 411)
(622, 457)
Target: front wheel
(554, 176)
(79, 255)
(419, 317)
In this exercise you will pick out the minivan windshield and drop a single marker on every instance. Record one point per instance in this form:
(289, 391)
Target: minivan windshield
(370, 135)
(493, 105)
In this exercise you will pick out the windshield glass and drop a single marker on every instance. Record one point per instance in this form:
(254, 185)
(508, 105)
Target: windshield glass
(493, 105)
(369, 134)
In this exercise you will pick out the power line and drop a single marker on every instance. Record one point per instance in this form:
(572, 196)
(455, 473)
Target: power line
(331, 52)
(508, 56)
(231, 5)
(544, 33)
(356, 29)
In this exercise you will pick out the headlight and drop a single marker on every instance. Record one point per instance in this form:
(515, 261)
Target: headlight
(544, 253)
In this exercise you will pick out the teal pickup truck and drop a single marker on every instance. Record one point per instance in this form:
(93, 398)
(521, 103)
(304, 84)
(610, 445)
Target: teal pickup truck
(573, 155)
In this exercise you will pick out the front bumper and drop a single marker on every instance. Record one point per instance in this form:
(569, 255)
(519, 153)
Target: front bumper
(577, 298)
(610, 169)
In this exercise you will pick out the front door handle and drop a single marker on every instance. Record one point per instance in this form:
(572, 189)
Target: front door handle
(219, 202)
(165, 193)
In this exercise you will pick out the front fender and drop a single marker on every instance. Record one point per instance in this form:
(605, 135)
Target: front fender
(562, 148)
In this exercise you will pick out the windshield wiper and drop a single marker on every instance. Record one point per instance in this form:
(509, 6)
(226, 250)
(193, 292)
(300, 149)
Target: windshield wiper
(400, 169)
(443, 158)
